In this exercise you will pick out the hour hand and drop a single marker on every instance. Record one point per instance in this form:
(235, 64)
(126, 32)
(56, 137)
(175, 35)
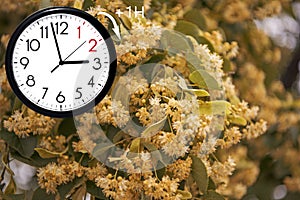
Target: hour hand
(74, 62)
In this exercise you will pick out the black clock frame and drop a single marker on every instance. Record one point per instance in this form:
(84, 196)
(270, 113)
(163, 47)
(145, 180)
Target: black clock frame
(64, 10)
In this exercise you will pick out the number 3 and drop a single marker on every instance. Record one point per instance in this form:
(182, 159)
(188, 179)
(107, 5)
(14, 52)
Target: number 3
(98, 62)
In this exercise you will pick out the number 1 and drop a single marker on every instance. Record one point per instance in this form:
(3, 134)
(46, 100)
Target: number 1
(78, 32)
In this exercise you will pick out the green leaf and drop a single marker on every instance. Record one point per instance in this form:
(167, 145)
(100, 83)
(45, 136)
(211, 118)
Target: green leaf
(155, 153)
(237, 120)
(67, 127)
(227, 67)
(174, 42)
(80, 193)
(44, 153)
(11, 187)
(192, 29)
(193, 61)
(25, 146)
(198, 92)
(154, 128)
(135, 145)
(34, 160)
(161, 172)
(87, 4)
(132, 3)
(156, 58)
(17, 104)
(219, 107)
(13, 197)
(212, 195)
(204, 80)
(101, 149)
(195, 16)
(94, 190)
(65, 189)
(203, 40)
(184, 194)
(28, 144)
(118, 137)
(199, 174)
(126, 22)
(40, 193)
(187, 28)
(211, 184)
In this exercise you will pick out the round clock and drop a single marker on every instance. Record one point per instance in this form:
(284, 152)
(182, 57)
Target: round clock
(60, 61)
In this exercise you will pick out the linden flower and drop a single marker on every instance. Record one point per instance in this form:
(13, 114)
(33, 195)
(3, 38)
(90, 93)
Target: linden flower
(140, 37)
(33, 123)
(180, 168)
(212, 62)
(207, 147)
(115, 188)
(254, 130)
(231, 136)
(221, 171)
(56, 144)
(53, 174)
(96, 172)
(236, 12)
(164, 189)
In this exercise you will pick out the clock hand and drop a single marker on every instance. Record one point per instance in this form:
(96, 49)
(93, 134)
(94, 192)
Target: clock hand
(61, 62)
(75, 50)
(75, 62)
(56, 44)
(55, 68)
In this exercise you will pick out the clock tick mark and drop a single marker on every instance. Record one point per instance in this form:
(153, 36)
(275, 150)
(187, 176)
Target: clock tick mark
(83, 23)
(21, 39)
(61, 16)
(100, 40)
(38, 23)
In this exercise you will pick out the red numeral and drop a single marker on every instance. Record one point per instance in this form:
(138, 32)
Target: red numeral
(78, 31)
(95, 44)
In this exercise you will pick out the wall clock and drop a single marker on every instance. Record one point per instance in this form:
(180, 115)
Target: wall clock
(60, 61)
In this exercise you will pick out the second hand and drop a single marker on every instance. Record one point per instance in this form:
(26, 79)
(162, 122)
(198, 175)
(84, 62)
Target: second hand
(61, 62)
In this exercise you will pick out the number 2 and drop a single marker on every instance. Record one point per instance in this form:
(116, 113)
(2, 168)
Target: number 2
(95, 44)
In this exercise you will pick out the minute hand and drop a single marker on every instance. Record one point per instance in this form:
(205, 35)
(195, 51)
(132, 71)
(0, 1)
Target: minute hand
(56, 43)
(74, 62)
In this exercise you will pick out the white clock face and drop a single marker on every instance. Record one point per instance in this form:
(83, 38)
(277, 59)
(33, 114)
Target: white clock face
(60, 62)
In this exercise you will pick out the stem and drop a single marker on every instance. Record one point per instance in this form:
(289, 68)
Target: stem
(170, 124)
(115, 176)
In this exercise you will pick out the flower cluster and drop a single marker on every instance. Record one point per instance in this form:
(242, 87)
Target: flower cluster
(22, 123)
